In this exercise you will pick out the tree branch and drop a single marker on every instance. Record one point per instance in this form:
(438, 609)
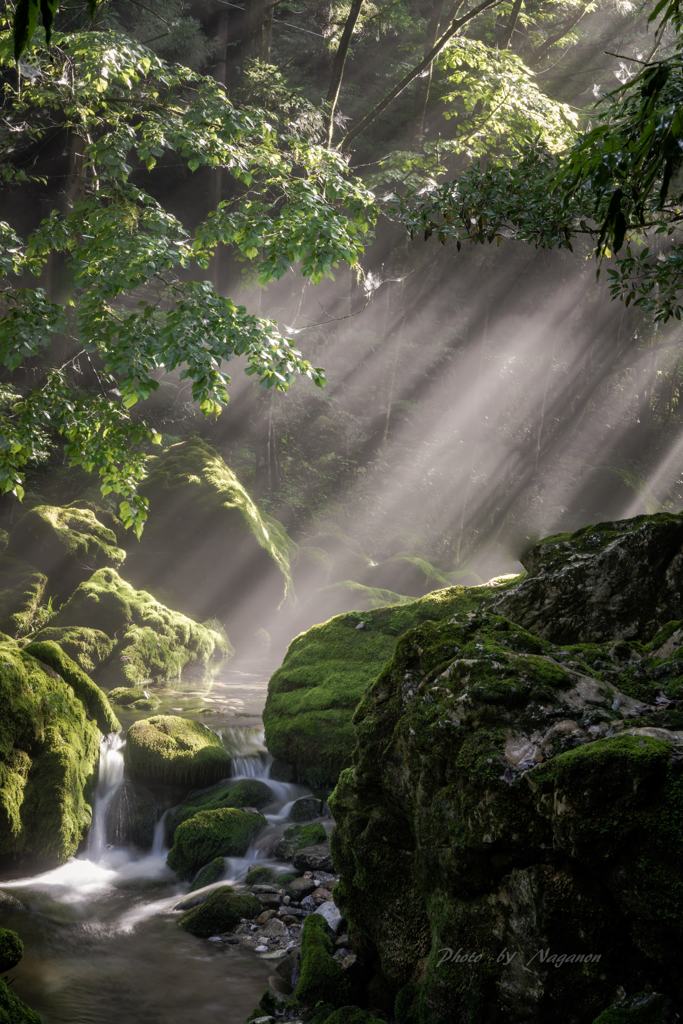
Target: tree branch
(338, 66)
(415, 72)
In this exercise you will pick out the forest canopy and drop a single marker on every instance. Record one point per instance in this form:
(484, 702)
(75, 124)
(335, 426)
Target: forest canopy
(465, 136)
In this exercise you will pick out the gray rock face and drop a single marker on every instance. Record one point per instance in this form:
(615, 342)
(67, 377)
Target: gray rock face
(331, 914)
(610, 581)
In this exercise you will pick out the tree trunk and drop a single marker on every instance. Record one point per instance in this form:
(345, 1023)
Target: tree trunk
(508, 29)
(338, 64)
(220, 73)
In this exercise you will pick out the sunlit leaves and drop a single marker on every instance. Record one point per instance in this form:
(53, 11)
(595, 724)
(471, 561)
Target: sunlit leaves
(135, 309)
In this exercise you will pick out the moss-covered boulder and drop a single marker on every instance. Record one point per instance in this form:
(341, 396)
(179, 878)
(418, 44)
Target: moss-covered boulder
(175, 751)
(510, 835)
(312, 696)
(23, 604)
(134, 697)
(225, 832)
(298, 837)
(245, 793)
(619, 580)
(220, 912)
(49, 751)
(94, 700)
(67, 544)
(204, 517)
(11, 949)
(152, 642)
(89, 648)
(321, 978)
(210, 873)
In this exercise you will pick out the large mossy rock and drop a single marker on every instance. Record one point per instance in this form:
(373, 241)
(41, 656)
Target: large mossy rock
(510, 835)
(610, 581)
(225, 832)
(150, 642)
(94, 700)
(245, 793)
(220, 912)
(49, 750)
(22, 596)
(13, 1010)
(11, 949)
(313, 695)
(173, 751)
(202, 517)
(66, 543)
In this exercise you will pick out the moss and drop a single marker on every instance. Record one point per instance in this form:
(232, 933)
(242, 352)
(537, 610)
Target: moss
(298, 837)
(175, 751)
(259, 874)
(195, 496)
(65, 543)
(22, 594)
(321, 979)
(48, 753)
(312, 696)
(210, 873)
(245, 793)
(88, 647)
(93, 699)
(220, 912)
(153, 641)
(225, 832)
(13, 1010)
(648, 1008)
(11, 949)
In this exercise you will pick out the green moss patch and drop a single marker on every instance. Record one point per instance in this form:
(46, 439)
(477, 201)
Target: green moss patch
(210, 873)
(245, 793)
(312, 696)
(13, 1010)
(153, 642)
(93, 699)
(175, 751)
(22, 597)
(225, 832)
(321, 979)
(11, 949)
(88, 647)
(65, 543)
(220, 912)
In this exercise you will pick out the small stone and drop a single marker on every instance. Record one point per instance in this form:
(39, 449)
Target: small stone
(314, 858)
(275, 929)
(321, 895)
(331, 914)
(265, 917)
(300, 887)
(268, 899)
(261, 949)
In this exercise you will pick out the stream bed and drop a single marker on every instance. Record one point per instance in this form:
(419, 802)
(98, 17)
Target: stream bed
(100, 932)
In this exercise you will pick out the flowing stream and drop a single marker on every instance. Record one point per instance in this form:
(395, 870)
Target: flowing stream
(100, 932)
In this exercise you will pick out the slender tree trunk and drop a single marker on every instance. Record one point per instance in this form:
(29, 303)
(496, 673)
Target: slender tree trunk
(220, 73)
(508, 29)
(338, 64)
(432, 36)
(410, 76)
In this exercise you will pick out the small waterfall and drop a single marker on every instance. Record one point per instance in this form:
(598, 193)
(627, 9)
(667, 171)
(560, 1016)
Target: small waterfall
(110, 778)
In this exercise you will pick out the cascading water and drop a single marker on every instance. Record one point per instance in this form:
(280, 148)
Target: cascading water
(110, 779)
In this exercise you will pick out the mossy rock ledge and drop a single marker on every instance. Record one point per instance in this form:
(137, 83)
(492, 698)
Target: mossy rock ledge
(12, 1009)
(174, 751)
(313, 695)
(49, 749)
(510, 832)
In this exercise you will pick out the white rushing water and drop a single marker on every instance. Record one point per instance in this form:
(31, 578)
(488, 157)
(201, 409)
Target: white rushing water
(109, 780)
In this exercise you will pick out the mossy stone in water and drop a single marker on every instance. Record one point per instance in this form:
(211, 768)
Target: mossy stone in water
(11, 949)
(321, 978)
(220, 912)
(94, 700)
(13, 1010)
(175, 751)
(226, 832)
(245, 793)
(210, 873)
(134, 697)
(298, 837)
